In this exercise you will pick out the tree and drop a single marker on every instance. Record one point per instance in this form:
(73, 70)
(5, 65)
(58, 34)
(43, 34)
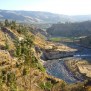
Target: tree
(23, 49)
(6, 43)
(13, 25)
(7, 23)
(1, 24)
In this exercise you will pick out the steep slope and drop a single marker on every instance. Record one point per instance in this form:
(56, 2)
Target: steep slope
(23, 71)
(15, 72)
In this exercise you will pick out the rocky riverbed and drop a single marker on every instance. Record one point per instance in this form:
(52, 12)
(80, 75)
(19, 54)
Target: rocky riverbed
(70, 68)
(59, 68)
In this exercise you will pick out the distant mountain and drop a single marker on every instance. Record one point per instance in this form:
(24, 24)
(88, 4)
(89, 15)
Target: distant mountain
(33, 16)
(81, 18)
(40, 17)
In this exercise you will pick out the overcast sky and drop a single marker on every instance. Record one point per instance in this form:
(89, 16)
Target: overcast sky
(67, 7)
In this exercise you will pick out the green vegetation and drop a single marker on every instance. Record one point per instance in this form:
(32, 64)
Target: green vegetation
(6, 45)
(46, 86)
(21, 29)
(64, 39)
(40, 67)
(86, 41)
(56, 39)
(70, 29)
(24, 71)
(13, 25)
(8, 79)
(7, 23)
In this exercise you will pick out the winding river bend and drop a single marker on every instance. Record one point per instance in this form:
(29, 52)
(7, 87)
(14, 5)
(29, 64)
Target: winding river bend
(58, 69)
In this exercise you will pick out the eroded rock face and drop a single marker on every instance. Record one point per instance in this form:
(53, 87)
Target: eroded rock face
(54, 54)
(57, 51)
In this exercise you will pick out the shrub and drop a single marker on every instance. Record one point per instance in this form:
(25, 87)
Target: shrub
(46, 85)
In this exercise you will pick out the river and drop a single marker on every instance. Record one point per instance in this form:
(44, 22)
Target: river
(58, 69)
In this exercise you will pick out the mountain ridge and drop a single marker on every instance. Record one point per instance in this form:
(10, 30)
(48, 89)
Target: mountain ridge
(40, 16)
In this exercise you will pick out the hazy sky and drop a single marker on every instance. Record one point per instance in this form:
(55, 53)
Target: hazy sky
(68, 7)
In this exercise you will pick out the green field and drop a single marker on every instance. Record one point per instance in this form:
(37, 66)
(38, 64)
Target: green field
(63, 39)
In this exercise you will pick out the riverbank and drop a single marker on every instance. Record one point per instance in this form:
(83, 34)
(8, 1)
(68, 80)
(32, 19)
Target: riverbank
(75, 65)
(58, 69)
(69, 68)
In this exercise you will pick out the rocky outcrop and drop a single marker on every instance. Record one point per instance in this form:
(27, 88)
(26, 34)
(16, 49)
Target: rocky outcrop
(55, 54)
(85, 69)
(7, 31)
